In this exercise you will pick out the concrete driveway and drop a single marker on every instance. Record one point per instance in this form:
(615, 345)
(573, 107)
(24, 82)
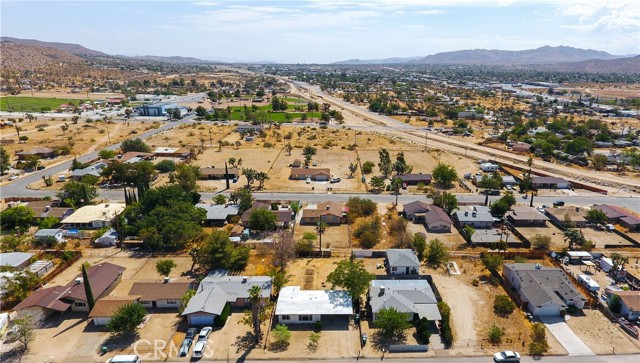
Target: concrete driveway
(569, 340)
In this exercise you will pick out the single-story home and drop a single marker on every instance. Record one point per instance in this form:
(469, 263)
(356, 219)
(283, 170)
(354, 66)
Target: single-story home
(44, 209)
(41, 303)
(218, 173)
(171, 152)
(489, 236)
(315, 174)
(412, 297)
(16, 260)
(43, 234)
(162, 294)
(106, 307)
(630, 300)
(219, 214)
(41, 152)
(103, 278)
(415, 179)
(550, 182)
(331, 213)
(402, 262)
(94, 170)
(414, 211)
(94, 216)
(478, 217)
(283, 216)
(434, 218)
(565, 216)
(620, 215)
(520, 147)
(218, 289)
(108, 238)
(309, 306)
(523, 216)
(545, 290)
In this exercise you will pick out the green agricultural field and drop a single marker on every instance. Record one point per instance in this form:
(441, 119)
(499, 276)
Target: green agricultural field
(238, 115)
(31, 104)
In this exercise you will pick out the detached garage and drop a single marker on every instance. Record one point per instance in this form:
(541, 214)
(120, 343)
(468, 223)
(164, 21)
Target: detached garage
(107, 306)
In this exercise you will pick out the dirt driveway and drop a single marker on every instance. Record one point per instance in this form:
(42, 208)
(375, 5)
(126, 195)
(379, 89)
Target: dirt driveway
(458, 295)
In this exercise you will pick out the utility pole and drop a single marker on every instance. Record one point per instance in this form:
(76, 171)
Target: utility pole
(426, 139)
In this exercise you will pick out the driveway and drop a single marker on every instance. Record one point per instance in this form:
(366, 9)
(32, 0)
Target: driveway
(569, 340)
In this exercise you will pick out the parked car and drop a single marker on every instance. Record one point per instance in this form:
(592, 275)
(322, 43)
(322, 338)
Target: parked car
(184, 347)
(506, 356)
(308, 180)
(191, 332)
(335, 180)
(198, 350)
(131, 358)
(204, 333)
(558, 203)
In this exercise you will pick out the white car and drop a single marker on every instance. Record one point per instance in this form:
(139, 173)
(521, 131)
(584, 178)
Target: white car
(204, 333)
(506, 356)
(198, 350)
(308, 180)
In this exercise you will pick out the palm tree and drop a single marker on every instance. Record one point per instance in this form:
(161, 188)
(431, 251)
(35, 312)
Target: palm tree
(255, 298)
(295, 208)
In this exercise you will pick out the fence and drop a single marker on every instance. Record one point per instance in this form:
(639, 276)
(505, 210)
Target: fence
(397, 348)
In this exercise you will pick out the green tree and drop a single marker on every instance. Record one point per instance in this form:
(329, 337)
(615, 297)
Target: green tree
(166, 166)
(423, 330)
(16, 218)
(353, 277)
(495, 334)
(596, 216)
(467, 232)
(385, 166)
(279, 278)
(106, 154)
(538, 345)
(48, 222)
(186, 176)
(492, 262)
(377, 183)
(127, 319)
(444, 175)
(5, 161)
(281, 335)
(599, 161)
(91, 302)
(13, 243)
(615, 304)
(360, 207)
(618, 260)
(24, 329)
(18, 286)
(164, 267)
(503, 305)
(262, 219)
(220, 199)
(77, 194)
(447, 201)
(217, 251)
(419, 244)
(391, 323)
(243, 197)
(134, 145)
(491, 182)
(353, 167)
(186, 298)
(400, 166)
(540, 241)
(437, 254)
(367, 167)
(574, 237)
(295, 209)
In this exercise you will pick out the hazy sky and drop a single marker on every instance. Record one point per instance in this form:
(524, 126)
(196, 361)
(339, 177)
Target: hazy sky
(324, 31)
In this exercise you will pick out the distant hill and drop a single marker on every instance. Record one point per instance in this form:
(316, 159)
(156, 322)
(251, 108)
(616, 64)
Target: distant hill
(629, 65)
(19, 56)
(172, 59)
(542, 55)
(394, 60)
(76, 49)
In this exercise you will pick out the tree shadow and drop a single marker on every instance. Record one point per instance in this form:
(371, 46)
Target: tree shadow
(119, 342)
(382, 343)
(278, 347)
(14, 355)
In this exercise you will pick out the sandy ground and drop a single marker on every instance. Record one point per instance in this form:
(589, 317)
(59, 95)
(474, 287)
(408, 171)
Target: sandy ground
(605, 337)
(334, 237)
(557, 238)
(311, 273)
(63, 93)
(600, 238)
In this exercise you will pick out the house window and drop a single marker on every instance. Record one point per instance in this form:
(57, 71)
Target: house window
(171, 302)
(305, 318)
(79, 304)
(286, 317)
(394, 269)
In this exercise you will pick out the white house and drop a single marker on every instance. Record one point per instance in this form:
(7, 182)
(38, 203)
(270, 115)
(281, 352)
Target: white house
(402, 262)
(94, 216)
(296, 306)
(489, 167)
(630, 300)
(412, 297)
(104, 308)
(109, 238)
(43, 234)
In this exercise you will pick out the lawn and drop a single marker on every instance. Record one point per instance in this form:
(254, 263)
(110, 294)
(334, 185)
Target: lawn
(238, 114)
(30, 104)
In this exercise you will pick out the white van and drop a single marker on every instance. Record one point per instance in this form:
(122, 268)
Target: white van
(125, 359)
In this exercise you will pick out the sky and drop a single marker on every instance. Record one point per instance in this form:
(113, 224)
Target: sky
(324, 31)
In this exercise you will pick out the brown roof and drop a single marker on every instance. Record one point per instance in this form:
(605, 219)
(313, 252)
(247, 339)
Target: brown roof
(323, 209)
(310, 171)
(521, 147)
(108, 305)
(576, 214)
(218, 171)
(282, 216)
(100, 277)
(630, 298)
(45, 298)
(523, 213)
(160, 290)
(436, 214)
(36, 150)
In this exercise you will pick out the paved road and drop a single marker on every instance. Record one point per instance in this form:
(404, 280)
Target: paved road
(567, 338)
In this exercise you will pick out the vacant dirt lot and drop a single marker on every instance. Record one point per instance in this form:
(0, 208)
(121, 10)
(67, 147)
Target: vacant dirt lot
(334, 237)
(311, 273)
(601, 335)
(557, 238)
(602, 238)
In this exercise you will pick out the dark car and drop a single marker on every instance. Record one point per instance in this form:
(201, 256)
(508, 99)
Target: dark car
(191, 332)
(491, 192)
(184, 348)
(558, 203)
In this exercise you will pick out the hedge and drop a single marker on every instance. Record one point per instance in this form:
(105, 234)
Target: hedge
(221, 319)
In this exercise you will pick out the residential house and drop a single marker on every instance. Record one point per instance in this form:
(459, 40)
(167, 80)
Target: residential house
(508, 180)
(41, 303)
(550, 182)
(545, 290)
(16, 260)
(166, 294)
(315, 174)
(93, 170)
(630, 300)
(218, 173)
(135, 155)
(415, 179)
(523, 216)
(620, 215)
(330, 213)
(478, 217)
(249, 128)
(45, 209)
(218, 289)
(41, 152)
(283, 216)
(296, 306)
(402, 262)
(219, 214)
(415, 298)
(415, 211)
(94, 216)
(521, 147)
(434, 218)
(108, 238)
(566, 216)
(103, 278)
(492, 236)
(42, 235)
(171, 152)
(105, 308)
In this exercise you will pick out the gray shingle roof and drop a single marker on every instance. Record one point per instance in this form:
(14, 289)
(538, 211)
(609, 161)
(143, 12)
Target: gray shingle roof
(218, 212)
(543, 285)
(415, 296)
(402, 257)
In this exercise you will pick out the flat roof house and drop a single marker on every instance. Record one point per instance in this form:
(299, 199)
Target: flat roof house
(315, 174)
(296, 306)
(478, 217)
(219, 214)
(94, 216)
(331, 213)
(550, 182)
(216, 290)
(162, 294)
(402, 262)
(412, 297)
(218, 173)
(523, 216)
(415, 179)
(546, 290)
(172, 152)
(104, 308)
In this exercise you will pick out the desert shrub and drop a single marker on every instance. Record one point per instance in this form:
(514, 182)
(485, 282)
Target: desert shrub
(503, 305)
(495, 334)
